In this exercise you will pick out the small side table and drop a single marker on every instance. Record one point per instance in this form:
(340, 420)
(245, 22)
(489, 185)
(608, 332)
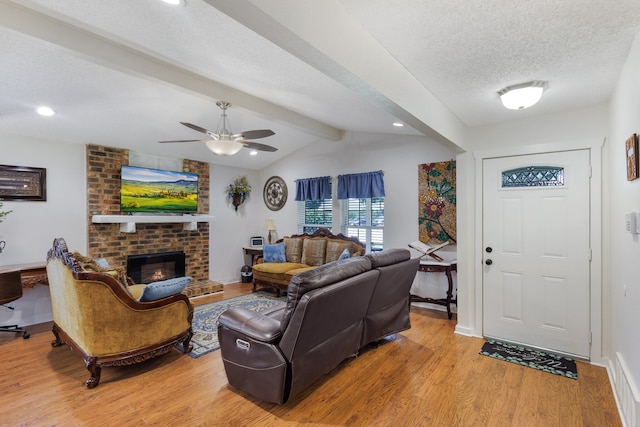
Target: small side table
(446, 267)
(31, 274)
(255, 253)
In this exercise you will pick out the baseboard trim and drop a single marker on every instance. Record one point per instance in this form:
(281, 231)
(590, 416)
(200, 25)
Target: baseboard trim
(625, 391)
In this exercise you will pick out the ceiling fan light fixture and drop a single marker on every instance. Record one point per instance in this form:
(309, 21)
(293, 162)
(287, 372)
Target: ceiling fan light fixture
(224, 147)
(522, 96)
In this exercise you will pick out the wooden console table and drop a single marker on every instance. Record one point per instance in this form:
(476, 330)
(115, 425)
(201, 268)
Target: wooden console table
(446, 267)
(255, 253)
(31, 274)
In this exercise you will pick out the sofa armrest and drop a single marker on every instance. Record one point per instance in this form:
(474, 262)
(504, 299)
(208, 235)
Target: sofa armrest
(252, 324)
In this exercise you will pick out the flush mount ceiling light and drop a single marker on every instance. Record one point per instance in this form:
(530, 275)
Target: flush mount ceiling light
(522, 96)
(174, 2)
(45, 111)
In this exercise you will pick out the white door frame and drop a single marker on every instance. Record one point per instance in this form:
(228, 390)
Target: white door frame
(595, 148)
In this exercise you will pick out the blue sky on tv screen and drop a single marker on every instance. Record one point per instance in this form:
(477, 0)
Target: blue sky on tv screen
(155, 175)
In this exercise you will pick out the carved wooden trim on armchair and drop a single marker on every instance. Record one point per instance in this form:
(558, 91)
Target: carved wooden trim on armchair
(94, 363)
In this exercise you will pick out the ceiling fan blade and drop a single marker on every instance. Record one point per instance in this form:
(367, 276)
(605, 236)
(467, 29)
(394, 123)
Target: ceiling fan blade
(182, 140)
(196, 127)
(258, 146)
(255, 134)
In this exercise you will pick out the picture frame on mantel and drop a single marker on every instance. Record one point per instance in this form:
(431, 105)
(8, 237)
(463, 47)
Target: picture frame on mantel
(631, 146)
(23, 183)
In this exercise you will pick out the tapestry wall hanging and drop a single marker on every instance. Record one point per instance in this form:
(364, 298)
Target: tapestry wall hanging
(437, 202)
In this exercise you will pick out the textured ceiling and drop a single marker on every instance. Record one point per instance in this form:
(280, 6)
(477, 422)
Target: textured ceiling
(123, 73)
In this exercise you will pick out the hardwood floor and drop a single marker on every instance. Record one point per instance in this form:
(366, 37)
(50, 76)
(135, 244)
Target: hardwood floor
(427, 376)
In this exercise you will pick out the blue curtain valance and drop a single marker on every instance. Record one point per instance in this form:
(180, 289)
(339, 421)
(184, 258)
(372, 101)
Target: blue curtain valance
(361, 185)
(313, 188)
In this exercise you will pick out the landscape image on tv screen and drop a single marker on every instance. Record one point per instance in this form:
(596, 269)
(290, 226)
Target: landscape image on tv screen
(153, 190)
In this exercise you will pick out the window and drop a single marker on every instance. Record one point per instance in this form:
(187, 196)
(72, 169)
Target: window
(314, 214)
(314, 203)
(364, 219)
(533, 176)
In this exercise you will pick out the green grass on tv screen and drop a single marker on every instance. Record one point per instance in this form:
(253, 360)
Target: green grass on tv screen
(137, 196)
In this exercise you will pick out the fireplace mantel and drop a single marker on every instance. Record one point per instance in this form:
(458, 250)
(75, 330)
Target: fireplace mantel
(128, 222)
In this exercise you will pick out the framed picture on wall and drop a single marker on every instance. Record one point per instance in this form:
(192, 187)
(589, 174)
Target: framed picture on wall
(632, 157)
(23, 183)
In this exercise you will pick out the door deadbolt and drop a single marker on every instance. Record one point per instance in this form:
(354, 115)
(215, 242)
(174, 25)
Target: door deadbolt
(489, 249)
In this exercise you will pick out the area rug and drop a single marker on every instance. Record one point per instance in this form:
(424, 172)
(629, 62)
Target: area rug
(558, 365)
(205, 319)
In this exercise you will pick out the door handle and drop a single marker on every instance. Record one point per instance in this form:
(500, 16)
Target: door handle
(488, 262)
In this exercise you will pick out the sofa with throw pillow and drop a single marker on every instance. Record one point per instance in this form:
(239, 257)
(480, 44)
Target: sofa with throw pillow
(301, 252)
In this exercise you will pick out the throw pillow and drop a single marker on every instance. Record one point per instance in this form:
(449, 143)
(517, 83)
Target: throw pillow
(335, 248)
(345, 254)
(274, 253)
(313, 251)
(293, 249)
(164, 288)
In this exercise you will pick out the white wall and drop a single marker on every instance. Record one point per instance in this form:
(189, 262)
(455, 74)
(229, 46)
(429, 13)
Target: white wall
(397, 156)
(624, 196)
(30, 229)
(231, 230)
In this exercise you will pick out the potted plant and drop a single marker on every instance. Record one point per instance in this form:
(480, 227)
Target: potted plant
(238, 191)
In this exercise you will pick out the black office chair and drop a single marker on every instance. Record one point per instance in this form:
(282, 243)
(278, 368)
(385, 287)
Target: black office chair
(11, 290)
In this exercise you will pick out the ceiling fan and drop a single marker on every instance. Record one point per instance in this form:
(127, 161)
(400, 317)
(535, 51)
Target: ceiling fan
(225, 143)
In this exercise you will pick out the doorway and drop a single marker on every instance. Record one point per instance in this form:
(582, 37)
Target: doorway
(536, 250)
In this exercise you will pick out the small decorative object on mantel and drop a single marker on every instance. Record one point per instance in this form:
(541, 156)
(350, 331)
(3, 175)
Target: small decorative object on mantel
(632, 157)
(239, 191)
(275, 193)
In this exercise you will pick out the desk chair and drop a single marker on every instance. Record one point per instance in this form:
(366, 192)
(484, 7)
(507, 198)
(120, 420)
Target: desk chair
(11, 290)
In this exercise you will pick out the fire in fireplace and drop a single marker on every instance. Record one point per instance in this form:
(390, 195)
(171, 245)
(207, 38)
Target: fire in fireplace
(149, 268)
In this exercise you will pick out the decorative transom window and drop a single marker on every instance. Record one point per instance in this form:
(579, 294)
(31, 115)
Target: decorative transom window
(533, 176)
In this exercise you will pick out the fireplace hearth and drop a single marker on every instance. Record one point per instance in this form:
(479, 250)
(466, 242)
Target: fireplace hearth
(147, 268)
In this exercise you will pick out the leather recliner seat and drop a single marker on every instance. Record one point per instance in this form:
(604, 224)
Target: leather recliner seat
(331, 312)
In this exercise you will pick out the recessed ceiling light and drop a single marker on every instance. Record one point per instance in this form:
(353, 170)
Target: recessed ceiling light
(174, 2)
(45, 111)
(398, 124)
(253, 153)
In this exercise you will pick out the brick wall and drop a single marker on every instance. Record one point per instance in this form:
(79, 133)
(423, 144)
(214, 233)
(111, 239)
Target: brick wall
(106, 240)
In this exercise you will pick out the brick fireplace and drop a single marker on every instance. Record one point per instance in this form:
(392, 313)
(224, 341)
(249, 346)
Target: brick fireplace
(106, 240)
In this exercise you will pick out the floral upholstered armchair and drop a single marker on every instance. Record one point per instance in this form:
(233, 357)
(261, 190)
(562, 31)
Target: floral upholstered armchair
(97, 316)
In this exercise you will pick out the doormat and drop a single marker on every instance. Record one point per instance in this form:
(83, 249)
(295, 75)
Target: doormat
(557, 365)
(205, 319)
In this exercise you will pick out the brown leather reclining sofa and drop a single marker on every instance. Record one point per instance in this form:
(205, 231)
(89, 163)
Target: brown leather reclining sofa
(331, 312)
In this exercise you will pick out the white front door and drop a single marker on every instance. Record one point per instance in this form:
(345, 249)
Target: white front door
(536, 250)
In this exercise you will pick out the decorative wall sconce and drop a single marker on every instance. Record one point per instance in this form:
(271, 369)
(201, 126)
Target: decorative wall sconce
(238, 191)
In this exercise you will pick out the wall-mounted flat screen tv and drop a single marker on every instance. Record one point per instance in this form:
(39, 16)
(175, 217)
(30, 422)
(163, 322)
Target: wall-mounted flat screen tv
(154, 190)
